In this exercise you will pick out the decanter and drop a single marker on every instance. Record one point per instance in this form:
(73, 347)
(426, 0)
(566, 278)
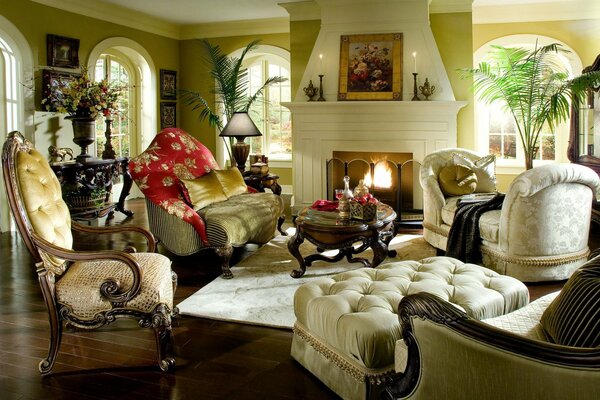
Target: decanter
(344, 204)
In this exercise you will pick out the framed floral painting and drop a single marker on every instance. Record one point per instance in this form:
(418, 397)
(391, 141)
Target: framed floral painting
(371, 67)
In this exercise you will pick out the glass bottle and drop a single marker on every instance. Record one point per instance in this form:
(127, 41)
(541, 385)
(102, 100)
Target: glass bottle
(344, 205)
(361, 189)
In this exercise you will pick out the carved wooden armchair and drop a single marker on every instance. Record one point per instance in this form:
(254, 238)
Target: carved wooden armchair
(85, 290)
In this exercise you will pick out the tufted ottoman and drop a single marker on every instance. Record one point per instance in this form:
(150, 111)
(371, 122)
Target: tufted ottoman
(347, 325)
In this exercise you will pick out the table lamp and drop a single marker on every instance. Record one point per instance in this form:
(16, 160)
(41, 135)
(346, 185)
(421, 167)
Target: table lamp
(240, 126)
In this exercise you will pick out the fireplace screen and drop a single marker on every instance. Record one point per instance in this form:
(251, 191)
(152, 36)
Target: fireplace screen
(390, 177)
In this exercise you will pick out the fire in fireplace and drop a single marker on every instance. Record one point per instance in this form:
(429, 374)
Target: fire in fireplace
(389, 177)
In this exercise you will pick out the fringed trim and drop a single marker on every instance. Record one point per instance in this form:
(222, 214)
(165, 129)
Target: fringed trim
(361, 374)
(548, 261)
(435, 229)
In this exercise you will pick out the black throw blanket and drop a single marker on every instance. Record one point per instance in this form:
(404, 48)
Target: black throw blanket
(463, 239)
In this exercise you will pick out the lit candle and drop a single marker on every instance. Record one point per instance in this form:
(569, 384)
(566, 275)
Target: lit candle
(321, 64)
(415, 58)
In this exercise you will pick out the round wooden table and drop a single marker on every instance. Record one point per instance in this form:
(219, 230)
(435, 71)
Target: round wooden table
(327, 231)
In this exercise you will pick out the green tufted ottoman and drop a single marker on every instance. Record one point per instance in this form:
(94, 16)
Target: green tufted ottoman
(347, 325)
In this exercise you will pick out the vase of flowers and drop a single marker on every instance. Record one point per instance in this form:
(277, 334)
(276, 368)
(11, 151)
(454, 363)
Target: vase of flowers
(84, 101)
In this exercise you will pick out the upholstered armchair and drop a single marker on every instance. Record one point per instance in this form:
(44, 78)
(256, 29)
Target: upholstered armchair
(541, 231)
(193, 205)
(438, 207)
(548, 349)
(85, 290)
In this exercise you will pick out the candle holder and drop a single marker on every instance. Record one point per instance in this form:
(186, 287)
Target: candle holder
(321, 98)
(415, 93)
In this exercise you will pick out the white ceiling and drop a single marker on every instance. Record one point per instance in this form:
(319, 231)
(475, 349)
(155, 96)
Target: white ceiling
(184, 19)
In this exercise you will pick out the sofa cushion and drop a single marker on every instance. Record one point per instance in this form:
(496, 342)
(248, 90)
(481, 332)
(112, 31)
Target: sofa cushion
(573, 318)
(484, 168)
(449, 210)
(457, 180)
(241, 219)
(232, 181)
(204, 190)
(489, 226)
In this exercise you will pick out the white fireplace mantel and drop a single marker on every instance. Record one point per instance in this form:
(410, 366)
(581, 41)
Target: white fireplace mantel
(417, 127)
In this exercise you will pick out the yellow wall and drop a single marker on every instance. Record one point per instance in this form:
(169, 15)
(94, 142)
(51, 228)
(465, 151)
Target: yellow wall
(453, 35)
(34, 21)
(195, 76)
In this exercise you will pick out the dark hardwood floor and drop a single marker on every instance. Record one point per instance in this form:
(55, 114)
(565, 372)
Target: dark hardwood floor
(215, 360)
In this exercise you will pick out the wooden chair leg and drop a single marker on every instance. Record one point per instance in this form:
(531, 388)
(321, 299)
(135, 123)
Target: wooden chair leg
(45, 366)
(225, 253)
(161, 322)
(280, 222)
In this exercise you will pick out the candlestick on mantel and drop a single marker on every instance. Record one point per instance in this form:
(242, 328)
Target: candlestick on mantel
(415, 94)
(415, 60)
(321, 98)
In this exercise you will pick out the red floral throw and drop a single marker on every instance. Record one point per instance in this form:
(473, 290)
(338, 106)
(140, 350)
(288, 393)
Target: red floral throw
(173, 154)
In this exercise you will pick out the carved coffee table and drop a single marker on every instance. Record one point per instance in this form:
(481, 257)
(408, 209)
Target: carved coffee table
(327, 231)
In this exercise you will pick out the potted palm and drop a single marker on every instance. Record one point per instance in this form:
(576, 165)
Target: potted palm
(232, 87)
(532, 86)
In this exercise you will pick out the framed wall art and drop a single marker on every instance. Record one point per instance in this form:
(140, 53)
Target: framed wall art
(371, 67)
(168, 115)
(62, 51)
(168, 84)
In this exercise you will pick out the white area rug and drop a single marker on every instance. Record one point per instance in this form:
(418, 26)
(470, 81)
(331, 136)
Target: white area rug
(262, 290)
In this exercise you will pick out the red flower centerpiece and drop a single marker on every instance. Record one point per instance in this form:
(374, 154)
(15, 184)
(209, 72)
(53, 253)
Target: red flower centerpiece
(364, 207)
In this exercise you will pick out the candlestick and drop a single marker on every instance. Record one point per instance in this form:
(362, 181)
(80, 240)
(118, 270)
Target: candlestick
(415, 95)
(415, 59)
(321, 98)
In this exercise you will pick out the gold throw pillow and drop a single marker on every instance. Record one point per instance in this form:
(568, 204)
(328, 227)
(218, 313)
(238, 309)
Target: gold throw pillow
(204, 190)
(457, 180)
(232, 181)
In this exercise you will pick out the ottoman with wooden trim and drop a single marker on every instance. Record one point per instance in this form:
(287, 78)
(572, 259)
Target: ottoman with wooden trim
(347, 325)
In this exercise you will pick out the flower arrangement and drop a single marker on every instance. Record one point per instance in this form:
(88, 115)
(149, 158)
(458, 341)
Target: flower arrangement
(82, 97)
(364, 207)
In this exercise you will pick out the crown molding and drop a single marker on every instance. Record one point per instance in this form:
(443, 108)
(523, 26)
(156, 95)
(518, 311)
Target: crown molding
(118, 15)
(236, 28)
(556, 10)
(450, 6)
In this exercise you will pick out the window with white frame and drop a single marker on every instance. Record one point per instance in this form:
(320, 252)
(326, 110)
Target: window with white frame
(271, 118)
(497, 132)
(9, 92)
(116, 69)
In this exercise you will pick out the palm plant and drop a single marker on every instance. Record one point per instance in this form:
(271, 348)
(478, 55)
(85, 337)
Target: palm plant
(532, 86)
(232, 86)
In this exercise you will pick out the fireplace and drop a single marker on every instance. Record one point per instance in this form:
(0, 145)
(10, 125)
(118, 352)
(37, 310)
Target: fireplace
(409, 127)
(390, 177)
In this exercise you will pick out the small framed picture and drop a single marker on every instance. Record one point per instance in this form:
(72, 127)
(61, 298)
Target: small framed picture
(55, 79)
(62, 51)
(371, 67)
(168, 84)
(168, 115)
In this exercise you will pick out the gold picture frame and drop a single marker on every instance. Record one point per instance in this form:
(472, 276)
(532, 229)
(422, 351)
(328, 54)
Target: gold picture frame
(371, 67)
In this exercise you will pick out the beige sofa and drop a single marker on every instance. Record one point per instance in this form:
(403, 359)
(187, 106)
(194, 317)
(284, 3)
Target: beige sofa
(541, 232)
(444, 354)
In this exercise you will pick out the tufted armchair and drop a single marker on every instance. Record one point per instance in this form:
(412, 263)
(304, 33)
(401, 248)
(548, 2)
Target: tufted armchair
(85, 290)
(192, 208)
(545, 350)
(541, 231)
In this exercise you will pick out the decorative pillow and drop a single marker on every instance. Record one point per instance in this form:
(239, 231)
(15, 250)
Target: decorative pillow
(457, 180)
(573, 317)
(484, 168)
(204, 190)
(232, 181)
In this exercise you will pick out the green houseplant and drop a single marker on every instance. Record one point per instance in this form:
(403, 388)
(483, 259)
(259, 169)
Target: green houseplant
(232, 87)
(532, 86)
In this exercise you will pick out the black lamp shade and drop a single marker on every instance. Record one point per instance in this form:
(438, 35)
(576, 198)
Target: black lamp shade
(240, 125)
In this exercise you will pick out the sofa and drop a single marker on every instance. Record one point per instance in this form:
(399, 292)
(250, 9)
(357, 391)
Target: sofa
(194, 205)
(541, 230)
(549, 349)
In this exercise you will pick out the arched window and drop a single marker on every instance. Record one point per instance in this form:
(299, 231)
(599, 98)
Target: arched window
(496, 130)
(9, 93)
(116, 69)
(271, 118)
